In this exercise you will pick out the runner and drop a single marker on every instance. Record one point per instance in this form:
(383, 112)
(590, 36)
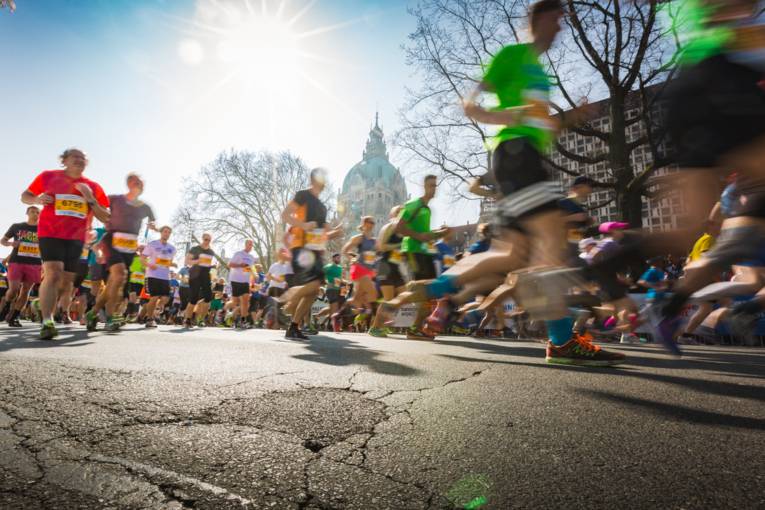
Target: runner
(119, 247)
(716, 121)
(157, 257)
(200, 261)
(414, 225)
(241, 277)
(69, 203)
(309, 233)
(530, 202)
(333, 277)
(362, 250)
(135, 283)
(24, 266)
(389, 276)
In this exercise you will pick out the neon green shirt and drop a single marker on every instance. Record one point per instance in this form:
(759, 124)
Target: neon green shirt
(417, 218)
(136, 271)
(517, 78)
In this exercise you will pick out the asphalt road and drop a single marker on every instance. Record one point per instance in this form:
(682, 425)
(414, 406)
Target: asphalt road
(224, 419)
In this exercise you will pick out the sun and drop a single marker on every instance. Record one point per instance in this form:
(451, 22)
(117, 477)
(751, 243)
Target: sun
(261, 48)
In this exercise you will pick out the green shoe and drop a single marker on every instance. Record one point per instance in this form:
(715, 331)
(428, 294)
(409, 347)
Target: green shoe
(112, 325)
(378, 332)
(91, 320)
(48, 330)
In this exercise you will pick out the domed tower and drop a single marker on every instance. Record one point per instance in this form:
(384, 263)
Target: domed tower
(372, 187)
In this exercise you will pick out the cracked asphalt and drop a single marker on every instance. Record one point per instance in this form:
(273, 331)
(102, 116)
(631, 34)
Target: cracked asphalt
(224, 419)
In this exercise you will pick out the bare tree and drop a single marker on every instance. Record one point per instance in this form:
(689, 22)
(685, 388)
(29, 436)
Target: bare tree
(10, 4)
(611, 49)
(240, 195)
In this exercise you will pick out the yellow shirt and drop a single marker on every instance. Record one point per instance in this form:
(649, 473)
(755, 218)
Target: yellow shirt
(702, 245)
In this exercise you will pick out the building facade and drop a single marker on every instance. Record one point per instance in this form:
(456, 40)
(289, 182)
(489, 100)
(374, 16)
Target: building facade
(658, 213)
(372, 187)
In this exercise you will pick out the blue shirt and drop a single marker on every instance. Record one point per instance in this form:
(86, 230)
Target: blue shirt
(479, 246)
(653, 275)
(444, 257)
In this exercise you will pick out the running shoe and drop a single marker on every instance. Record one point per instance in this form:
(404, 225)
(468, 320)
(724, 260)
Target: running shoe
(14, 323)
(578, 351)
(48, 330)
(150, 324)
(629, 338)
(310, 330)
(112, 326)
(294, 333)
(418, 334)
(743, 325)
(188, 324)
(91, 320)
(65, 319)
(378, 332)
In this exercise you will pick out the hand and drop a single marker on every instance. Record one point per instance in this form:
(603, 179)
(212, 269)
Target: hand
(153, 266)
(85, 191)
(424, 238)
(15, 244)
(45, 199)
(310, 225)
(471, 108)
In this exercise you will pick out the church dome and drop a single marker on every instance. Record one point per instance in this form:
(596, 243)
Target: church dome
(375, 168)
(373, 185)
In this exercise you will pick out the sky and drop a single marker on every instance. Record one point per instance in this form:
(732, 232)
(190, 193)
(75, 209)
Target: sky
(160, 87)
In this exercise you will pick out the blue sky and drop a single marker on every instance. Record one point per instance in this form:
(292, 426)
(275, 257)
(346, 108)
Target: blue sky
(144, 86)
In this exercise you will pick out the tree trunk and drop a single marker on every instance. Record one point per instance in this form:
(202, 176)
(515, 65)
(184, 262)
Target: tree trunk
(628, 202)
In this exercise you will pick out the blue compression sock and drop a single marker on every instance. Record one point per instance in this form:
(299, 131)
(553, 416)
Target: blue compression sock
(441, 286)
(560, 331)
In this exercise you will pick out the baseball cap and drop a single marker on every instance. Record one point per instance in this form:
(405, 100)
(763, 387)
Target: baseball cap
(583, 180)
(608, 226)
(586, 242)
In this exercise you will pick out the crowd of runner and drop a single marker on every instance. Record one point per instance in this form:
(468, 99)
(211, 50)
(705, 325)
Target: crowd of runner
(563, 274)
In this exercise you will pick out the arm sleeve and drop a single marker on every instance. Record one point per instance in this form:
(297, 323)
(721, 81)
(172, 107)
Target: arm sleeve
(408, 211)
(497, 70)
(300, 198)
(38, 185)
(150, 213)
(101, 197)
(12, 231)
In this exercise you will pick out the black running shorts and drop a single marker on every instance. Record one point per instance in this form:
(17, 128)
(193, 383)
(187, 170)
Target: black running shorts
(200, 287)
(158, 287)
(239, 289)
(523, 181)
(67, 251)
(713, 107)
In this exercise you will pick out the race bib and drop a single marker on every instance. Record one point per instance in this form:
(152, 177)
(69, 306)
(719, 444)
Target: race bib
(575, 235)
(431, 247)
(316, 240)
(84, 254)
(369, 258)
(3, 284)
(338, 282)
(538, 115)
(124, 243)
(449, 261)
(31, 250)
(247, 269)
(395, 257)
(71, 205)
(164, 262)
(205, 260)
(136, 277)
(86, 284)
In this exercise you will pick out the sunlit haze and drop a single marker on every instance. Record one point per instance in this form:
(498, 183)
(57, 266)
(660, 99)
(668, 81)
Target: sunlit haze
(160, 87)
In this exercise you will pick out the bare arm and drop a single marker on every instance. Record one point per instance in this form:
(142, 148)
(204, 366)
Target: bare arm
(505, 117)
(7, 242)
(476, 188)
(403, 229)
(347, 250)
(384, 236)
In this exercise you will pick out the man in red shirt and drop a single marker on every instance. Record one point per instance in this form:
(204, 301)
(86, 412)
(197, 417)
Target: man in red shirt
(69, 203)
